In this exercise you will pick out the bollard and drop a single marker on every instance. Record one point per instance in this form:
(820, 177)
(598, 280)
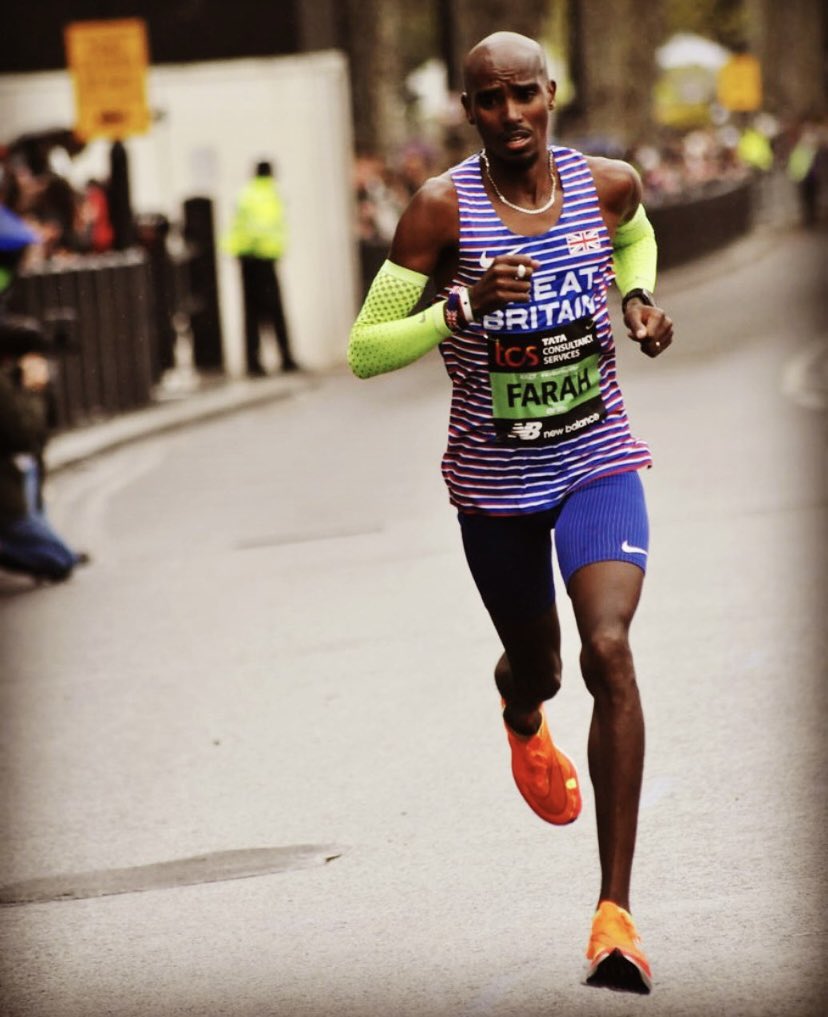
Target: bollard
(153, 231)
(205, 321)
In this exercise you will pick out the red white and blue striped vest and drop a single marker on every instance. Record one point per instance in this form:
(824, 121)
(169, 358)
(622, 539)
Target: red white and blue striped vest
(536, 409)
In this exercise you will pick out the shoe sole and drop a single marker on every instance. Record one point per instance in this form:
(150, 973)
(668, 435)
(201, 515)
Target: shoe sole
(618, 972)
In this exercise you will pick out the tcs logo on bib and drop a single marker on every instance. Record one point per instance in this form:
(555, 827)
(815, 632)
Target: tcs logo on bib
(516, 357)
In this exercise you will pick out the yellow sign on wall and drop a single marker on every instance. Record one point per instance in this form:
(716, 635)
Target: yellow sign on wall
(739, 85)
(108, 62)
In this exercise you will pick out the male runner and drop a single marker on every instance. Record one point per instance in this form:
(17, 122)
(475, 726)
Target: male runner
(521, 241)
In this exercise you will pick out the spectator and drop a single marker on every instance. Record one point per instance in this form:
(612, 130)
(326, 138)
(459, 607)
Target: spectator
(380, 199)
(257, 237)
(28, 543)
(805, 164)
(95, 231)
(755, 150)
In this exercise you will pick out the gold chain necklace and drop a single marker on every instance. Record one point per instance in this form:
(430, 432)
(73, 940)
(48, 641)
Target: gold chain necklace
(518, 208)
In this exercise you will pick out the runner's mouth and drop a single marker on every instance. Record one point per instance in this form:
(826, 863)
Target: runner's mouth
(518, 140)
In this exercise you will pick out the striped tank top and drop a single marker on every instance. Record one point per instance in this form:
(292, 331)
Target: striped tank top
(536, 409)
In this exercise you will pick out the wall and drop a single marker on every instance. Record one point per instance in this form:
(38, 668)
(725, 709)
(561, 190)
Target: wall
(213, 122)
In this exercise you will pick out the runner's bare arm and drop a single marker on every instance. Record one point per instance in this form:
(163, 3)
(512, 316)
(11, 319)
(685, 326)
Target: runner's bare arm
(385, 335)
(427, 239)
(619, 190)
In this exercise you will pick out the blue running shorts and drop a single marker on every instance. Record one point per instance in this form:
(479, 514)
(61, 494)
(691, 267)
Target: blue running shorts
(510, 557)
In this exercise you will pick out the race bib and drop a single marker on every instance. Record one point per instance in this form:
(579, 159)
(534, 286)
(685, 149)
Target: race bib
(545, 385)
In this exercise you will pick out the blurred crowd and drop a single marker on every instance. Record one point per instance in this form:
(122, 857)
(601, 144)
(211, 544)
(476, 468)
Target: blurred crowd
(678, 167)
(383, 188)
(690, 165)
(41, 218)
(65, 220)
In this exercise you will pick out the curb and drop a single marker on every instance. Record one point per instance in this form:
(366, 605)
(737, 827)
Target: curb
(219, 398)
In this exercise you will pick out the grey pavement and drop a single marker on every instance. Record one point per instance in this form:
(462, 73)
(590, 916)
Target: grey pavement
(207, 398)
(252, 756)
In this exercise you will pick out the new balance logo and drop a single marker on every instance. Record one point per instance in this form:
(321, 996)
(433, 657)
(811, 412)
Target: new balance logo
(526, 430)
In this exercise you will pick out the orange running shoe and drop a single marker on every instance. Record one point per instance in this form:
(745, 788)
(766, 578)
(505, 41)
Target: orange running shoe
(615, 959)
(545, 776)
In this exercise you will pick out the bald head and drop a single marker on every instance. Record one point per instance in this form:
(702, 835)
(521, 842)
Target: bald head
(503, 52)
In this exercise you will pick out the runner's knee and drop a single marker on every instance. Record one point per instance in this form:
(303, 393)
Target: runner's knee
(606, 661)
(529, 682)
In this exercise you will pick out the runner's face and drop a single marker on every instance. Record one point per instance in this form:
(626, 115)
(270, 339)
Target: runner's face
(508, 101)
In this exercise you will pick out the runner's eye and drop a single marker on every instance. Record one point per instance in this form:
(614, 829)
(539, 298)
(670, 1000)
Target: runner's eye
(487, 100)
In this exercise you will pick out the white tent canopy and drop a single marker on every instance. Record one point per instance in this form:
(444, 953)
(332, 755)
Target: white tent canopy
(685, 49)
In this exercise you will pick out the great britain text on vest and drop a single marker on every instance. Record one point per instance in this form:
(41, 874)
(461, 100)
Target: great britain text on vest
(553, 301)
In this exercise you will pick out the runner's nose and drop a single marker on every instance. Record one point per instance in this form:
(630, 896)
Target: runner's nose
(512, 113)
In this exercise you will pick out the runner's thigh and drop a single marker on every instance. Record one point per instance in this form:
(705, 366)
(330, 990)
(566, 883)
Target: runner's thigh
(605, 520)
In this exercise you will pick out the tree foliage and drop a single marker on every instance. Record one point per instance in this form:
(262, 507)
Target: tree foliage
(610, 47)
(725, 21)
(612, 54)
(466, 22)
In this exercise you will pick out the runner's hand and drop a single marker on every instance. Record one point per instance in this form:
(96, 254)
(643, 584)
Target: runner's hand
(507, 280)
(648, 326)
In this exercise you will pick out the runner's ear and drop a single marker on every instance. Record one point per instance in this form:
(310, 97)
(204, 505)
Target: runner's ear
(466, 101)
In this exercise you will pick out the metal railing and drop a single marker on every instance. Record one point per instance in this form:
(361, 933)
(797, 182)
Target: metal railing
(107, 359)
(691, 229)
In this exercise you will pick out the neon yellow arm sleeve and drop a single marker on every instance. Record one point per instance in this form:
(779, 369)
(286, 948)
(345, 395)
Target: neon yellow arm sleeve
(635, 254)
(383, 338)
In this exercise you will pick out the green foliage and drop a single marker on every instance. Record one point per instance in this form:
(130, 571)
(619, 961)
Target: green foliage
(420, 39)
(725, 21)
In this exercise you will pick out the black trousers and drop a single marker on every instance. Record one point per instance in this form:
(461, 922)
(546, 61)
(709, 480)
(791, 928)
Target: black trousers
(263, 304)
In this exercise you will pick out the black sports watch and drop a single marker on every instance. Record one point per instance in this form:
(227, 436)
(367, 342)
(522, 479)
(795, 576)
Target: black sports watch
(643, 295)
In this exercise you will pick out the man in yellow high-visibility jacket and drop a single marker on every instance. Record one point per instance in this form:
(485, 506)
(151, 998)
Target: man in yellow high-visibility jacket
(258, 238)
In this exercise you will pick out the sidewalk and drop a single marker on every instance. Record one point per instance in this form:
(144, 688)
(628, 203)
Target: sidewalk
(211, 398)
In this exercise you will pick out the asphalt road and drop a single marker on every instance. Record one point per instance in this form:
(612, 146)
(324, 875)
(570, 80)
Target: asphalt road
(277, 668)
